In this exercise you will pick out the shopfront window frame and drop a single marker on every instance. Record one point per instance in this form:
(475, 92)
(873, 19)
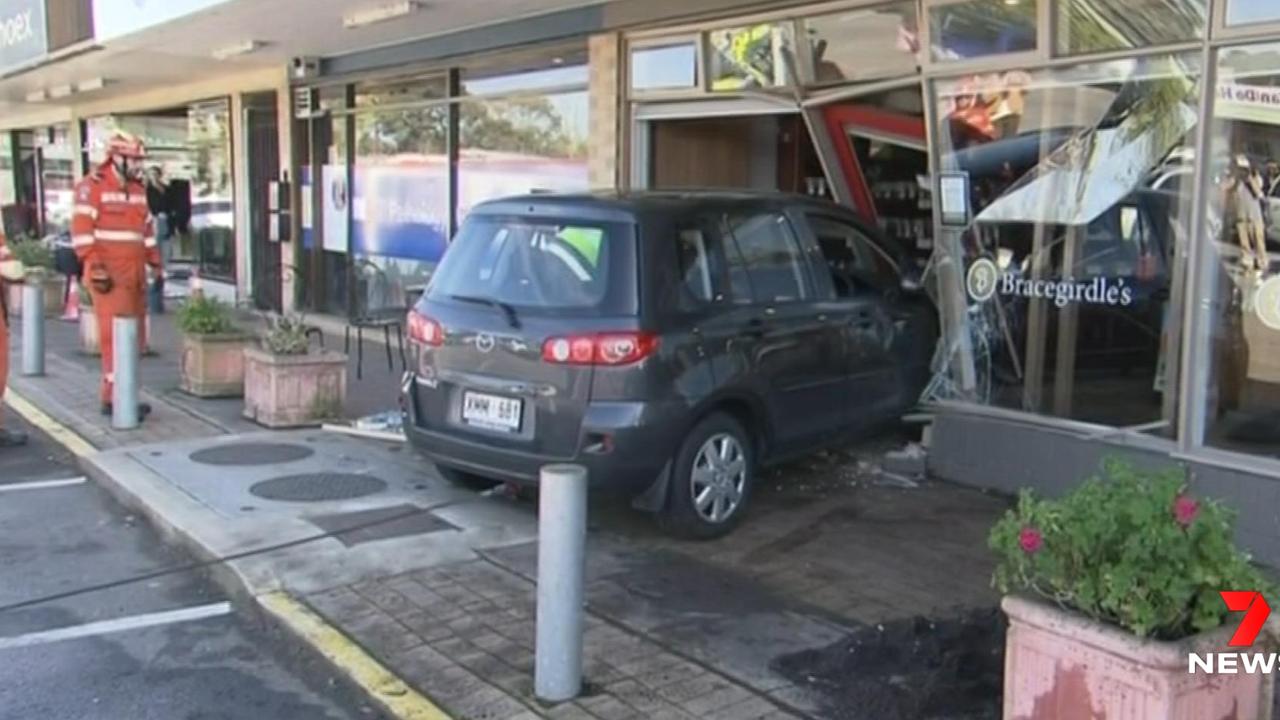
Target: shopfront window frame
(700, 67)
(1220, 30)
(1045, 10)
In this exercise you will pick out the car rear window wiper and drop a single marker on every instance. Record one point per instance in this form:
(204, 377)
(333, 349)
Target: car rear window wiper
(507, 309)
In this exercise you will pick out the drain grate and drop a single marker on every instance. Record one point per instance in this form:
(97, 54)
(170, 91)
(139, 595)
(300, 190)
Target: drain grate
(356, 528)
(318, 487)
(251, 454)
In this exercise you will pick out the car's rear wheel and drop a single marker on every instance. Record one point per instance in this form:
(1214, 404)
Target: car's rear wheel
(464, 479)
(711, 480)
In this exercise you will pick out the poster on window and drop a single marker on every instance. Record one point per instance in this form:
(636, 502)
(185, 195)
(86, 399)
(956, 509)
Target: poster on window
(401, 210)
(337, 201)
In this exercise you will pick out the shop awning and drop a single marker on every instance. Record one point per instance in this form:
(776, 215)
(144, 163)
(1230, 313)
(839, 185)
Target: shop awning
(1092, 171)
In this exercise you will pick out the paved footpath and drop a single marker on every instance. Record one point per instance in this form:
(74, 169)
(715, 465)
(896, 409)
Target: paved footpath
(162, 649)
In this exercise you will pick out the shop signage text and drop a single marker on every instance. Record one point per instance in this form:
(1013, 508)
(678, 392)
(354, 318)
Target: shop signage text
(23, 33)
(1256, 611)
(985, 280)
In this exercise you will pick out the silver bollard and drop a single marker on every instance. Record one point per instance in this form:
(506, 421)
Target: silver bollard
(33, 328)
(124, 394)
(562, 555)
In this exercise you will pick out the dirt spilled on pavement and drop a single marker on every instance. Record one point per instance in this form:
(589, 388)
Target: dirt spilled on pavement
(911, 669)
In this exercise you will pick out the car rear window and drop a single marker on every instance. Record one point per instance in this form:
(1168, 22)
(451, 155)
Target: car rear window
(536, 263)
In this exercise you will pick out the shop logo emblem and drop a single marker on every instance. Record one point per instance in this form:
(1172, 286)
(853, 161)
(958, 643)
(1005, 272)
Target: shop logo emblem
(982, 279)
(1266, 304)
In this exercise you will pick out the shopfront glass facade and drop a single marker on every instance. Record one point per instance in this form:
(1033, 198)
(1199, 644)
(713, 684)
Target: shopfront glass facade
(190, 175)
(1097, 211)
(424, 150)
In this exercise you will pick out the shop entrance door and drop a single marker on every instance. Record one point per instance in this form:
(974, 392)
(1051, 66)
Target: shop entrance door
(263, 149)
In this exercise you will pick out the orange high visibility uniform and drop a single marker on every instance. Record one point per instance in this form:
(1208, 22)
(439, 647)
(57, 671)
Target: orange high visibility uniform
(112, 228)
(4, 335)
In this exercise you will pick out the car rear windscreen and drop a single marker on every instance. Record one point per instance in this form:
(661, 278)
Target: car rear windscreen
(536, 263)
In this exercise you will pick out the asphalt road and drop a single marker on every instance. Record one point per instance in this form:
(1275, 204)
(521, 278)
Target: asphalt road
(166, 649)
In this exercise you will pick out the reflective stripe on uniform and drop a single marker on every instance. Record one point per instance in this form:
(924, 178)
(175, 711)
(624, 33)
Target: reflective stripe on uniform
(149, 241)
(81, 240)
(119, 197)
(117, 235)
(89, 210)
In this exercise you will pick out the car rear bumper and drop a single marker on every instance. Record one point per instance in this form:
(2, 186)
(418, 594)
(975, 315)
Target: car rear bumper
(640, 439)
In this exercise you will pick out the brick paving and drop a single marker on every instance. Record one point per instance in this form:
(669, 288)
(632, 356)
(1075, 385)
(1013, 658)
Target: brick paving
(464, 635)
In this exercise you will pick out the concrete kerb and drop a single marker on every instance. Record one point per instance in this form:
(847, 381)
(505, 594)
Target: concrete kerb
(159, 502)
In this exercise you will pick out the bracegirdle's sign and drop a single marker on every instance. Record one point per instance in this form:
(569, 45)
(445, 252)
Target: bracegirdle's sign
(984, 280)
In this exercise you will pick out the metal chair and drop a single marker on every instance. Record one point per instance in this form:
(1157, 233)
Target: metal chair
(377, 304)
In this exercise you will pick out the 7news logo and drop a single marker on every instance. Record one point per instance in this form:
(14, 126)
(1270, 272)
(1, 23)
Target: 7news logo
(1256, 611)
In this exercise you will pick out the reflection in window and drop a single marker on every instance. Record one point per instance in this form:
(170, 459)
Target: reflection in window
(1240, 12)
(1075, 211)
(1098, 25)
(749, 57)
(864, 44)
(664, 67)
(1244, 219)
(975, 28)
(522, 145)
(56, 180)
(399, 202)
(772, 255)
(400, 92)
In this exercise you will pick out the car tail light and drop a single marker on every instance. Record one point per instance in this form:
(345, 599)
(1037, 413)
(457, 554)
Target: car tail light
(424, 330)
(614, 348)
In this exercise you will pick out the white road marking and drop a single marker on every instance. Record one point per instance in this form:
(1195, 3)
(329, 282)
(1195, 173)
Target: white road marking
(104, 627)
(41, 485)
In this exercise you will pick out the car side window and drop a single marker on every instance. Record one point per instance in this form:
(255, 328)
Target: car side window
(709, 272)
(858, 266)
(775, 264)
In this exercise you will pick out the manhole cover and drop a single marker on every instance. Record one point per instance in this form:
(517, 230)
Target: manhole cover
(318, 487)
(251, 454)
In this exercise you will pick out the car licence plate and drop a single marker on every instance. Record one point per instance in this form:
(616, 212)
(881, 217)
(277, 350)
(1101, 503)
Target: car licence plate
(492, 412)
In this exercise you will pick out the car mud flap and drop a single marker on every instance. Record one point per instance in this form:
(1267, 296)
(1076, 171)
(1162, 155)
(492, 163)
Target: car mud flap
(654, 499)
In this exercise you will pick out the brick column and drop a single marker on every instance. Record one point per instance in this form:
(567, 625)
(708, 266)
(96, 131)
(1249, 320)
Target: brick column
(604, 141)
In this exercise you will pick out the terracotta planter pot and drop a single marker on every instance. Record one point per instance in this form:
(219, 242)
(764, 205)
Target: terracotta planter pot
(89, 342)
(293, 390)
(1062, 665)
(53, 285)
(213, 365)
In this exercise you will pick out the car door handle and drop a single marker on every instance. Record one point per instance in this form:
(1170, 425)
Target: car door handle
(753, 329)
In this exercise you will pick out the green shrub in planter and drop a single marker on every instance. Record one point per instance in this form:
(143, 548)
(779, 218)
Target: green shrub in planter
(34, 254)
(1130, 548)
(202, 315)
(287, 336)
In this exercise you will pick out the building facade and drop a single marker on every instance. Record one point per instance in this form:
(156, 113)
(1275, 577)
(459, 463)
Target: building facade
(1090, 188)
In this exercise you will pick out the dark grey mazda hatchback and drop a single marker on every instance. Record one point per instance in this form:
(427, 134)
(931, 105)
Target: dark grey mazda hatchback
(672, 343)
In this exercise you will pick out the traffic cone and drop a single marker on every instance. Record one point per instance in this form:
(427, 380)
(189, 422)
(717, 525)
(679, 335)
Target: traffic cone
(71, 309)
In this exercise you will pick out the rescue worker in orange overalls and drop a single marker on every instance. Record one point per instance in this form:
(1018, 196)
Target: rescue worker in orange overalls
(8, 438)
(114, 237)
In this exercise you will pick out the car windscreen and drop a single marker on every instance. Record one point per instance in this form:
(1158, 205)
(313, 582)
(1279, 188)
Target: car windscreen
(541, 264)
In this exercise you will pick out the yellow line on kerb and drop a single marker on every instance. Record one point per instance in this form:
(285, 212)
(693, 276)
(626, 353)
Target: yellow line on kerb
(390, 691)
(64, 435)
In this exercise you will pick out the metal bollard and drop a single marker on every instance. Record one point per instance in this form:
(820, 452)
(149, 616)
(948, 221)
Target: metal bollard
(562, 555)
(124, 394)
(33, 328)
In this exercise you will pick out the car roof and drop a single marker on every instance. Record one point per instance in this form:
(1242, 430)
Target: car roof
(630, 205)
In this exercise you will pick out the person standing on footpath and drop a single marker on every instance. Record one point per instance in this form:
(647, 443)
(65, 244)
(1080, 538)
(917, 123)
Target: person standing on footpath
(114, 237)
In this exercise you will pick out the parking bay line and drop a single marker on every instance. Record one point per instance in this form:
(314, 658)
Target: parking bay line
(104, 627)
(42, 485)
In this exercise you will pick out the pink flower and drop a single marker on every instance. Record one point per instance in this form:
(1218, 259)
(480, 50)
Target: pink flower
(1030, 540)
(1185, 510)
